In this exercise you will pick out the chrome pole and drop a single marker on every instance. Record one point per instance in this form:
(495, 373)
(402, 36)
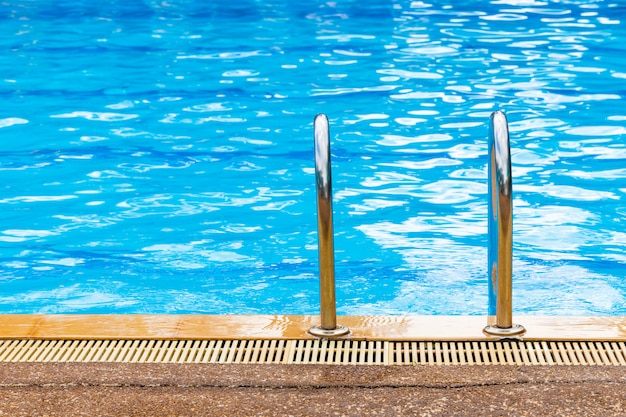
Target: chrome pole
(500, 226)
(328, 327)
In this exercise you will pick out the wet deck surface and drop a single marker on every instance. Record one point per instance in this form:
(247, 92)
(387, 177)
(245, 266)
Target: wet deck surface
(216, 327)
(118, 389)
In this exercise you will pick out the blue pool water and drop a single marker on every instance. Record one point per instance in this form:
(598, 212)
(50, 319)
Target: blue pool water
(157, 157)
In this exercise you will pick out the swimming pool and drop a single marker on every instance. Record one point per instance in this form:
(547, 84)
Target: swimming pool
(157, 157)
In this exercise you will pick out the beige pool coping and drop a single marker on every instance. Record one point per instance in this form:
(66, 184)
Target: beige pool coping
(290, 327)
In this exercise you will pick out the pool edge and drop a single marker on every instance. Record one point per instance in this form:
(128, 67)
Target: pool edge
(290, 327)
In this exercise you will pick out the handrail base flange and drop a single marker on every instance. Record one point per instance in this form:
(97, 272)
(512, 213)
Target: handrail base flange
(325, 333)
(514, 330)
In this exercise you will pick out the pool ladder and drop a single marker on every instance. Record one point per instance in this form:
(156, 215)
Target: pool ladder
(500, 228)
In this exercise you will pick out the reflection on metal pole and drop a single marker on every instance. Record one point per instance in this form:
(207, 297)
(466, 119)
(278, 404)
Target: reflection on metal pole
(329, 327)
(500, 256)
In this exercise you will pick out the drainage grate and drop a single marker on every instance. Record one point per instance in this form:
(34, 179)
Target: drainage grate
(335, 352)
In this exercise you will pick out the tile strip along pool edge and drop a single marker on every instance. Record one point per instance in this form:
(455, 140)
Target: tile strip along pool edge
(293, 327)
(313, 352)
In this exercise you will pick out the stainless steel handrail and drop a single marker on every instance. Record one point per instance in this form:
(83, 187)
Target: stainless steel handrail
(500, 225)
(328, 327)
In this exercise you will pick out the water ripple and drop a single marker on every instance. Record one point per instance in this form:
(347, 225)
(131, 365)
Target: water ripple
(196, 191)
(98, 116)
(10, 121)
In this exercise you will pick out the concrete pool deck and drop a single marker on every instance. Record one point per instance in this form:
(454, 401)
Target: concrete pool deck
(119, 389)
(110, 386)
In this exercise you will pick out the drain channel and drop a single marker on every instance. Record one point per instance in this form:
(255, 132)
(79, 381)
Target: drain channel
(331, 352)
